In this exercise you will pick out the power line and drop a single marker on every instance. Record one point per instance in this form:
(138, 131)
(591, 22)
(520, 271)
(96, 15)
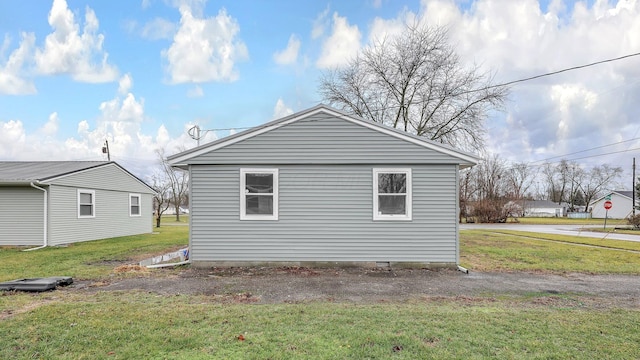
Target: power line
(604, 154)
(585, 150)
(563, 70)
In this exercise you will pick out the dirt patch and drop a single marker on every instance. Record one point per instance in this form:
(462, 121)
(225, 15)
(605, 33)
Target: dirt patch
(130, 268)
(8, 313)
(372, 285)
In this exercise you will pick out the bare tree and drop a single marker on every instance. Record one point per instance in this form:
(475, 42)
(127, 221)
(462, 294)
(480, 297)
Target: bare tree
(559, 180)
(467, 190)
(576, 175)
(519, 178)
(549, 173)
(161, 199)
(177, 181)
(597, 180)
(416, 82)
(491, 177)
(491, 204)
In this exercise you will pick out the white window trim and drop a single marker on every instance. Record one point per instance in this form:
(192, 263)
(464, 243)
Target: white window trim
(139, 205)
(243, 200)
(93, 199)
(409, 200)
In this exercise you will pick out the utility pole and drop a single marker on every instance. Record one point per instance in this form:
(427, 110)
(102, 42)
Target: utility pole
(633, 188)
(105, 150)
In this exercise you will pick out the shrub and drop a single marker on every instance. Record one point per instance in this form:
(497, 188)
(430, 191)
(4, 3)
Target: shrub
(634, 220)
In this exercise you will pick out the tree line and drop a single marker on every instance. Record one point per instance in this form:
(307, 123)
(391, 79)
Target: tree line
(494, 190)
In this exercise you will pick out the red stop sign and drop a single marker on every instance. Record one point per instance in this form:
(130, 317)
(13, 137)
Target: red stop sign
(608, 204)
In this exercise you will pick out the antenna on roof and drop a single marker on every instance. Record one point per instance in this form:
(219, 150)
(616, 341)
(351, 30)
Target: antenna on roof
(194, 132)
(105, 150)
(197, 133)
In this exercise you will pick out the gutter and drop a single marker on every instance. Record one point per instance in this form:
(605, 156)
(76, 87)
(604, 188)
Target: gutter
(462, 269)
(46, 207)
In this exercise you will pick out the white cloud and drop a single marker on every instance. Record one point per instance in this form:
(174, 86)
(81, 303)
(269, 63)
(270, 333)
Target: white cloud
(205, 49)
(127, 110)
(67, 51)
(12, 138)
(12, 81)
(158, 29)
(194, 92)
(281, 110)
(51, 127)
(289, 55)
(319, 24)
(342, 45)
(125, 84)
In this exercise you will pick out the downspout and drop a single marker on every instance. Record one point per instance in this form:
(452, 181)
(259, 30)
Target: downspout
(46, 207)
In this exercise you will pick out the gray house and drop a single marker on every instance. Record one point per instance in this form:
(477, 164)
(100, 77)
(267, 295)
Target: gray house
(319, 187)
(60, 202)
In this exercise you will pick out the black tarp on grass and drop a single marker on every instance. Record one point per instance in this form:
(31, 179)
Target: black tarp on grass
(36, 284)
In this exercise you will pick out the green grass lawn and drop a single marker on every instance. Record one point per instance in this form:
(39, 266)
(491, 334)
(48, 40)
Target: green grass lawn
(503, 250)
(91, 259)
(139, 325)
(135, 324)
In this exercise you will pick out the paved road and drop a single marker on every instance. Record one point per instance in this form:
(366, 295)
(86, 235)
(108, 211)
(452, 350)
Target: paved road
(573, 230)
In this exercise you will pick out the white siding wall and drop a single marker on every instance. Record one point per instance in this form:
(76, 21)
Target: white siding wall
(621, 209)
(111, 216)
(112, 187)
(325, 215)
(21, 216)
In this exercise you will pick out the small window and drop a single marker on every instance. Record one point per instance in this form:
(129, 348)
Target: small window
(134, 204)
(86, 203)
(258, 194)
(392, 194)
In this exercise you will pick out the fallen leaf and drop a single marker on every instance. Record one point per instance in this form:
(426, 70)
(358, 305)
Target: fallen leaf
(241, 337)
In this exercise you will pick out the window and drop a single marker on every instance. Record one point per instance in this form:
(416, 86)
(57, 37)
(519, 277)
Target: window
(258, 194)
(86, 203)
(391, 194)
(134, 204)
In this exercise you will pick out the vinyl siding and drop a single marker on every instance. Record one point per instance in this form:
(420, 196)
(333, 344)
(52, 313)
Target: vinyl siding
(109, 177)
(621, 209)
(325, 214)
(323, 139)
(21, 216)
(111, 215)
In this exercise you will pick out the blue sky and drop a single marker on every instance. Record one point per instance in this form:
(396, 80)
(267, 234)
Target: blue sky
(139, 74)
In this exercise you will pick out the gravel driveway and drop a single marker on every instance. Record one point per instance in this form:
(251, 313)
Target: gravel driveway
(291, 284)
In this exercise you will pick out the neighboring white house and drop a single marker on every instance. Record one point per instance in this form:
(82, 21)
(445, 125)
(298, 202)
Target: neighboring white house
(323, 187)
(60, 202)
(544, 208)
(622, 205)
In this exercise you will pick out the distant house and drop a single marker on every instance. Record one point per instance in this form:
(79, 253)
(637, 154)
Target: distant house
(60, 202)
(321, 186)
(621, 201)
(544, 208)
